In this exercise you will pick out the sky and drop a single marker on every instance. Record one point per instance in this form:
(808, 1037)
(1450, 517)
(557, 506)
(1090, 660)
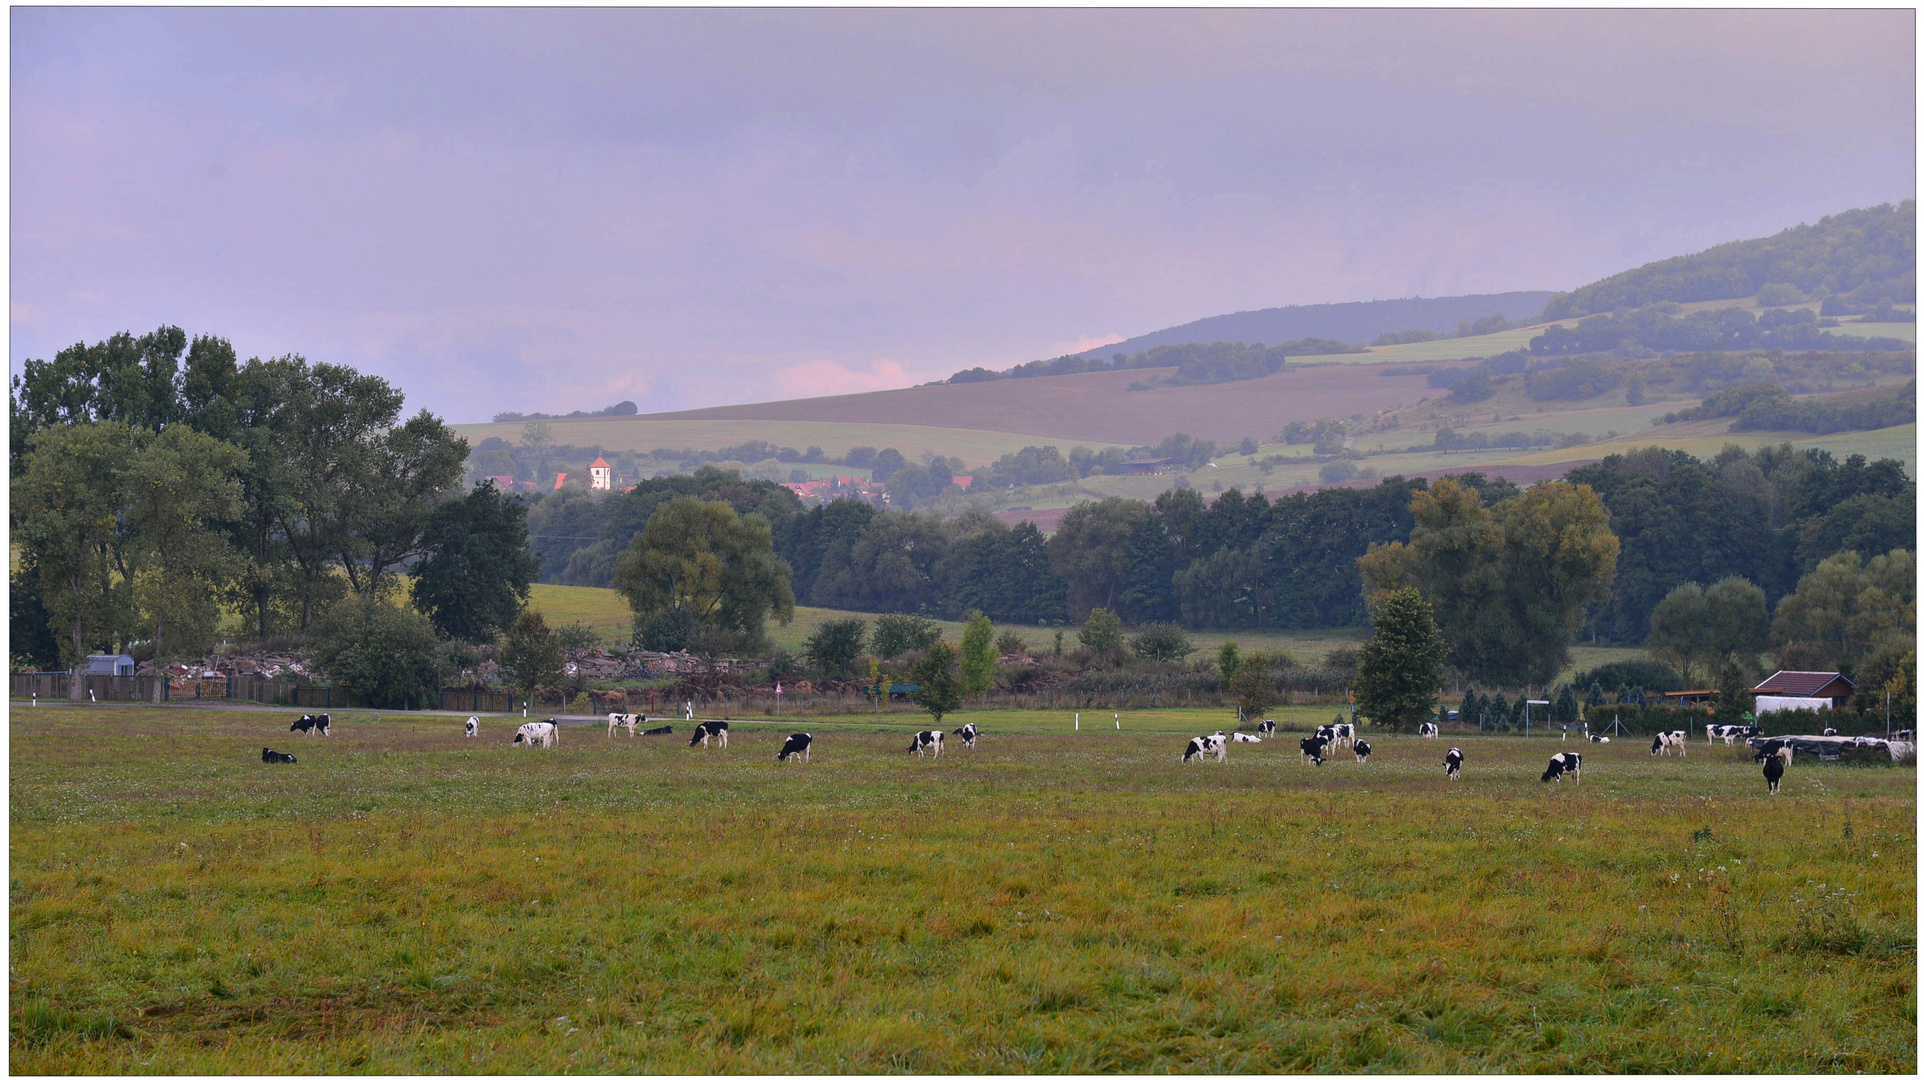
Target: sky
(553, 210)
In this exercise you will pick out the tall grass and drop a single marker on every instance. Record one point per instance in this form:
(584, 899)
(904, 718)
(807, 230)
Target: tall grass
(405, 900)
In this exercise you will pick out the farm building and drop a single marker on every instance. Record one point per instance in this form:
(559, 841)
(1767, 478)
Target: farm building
(1826, 687)
(1690, 697)
(1142, 468)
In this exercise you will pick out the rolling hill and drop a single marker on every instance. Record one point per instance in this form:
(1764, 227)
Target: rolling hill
(1363, 321)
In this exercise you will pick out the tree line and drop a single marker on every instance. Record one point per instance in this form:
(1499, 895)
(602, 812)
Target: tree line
(157, 481)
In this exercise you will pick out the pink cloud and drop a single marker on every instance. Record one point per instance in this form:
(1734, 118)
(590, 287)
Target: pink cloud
(815, 378)
(1085, 343)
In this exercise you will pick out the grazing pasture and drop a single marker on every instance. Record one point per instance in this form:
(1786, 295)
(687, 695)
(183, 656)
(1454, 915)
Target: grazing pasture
(405, 899)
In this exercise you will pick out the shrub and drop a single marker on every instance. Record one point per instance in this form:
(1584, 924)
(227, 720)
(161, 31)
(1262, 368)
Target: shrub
(385, 657)
(834, 645)
(1165, 643)
(1102, 633)
(898, 634)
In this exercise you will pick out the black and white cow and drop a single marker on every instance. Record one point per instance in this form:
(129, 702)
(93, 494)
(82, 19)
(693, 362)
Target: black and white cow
(316, 724)
(1565, 762)
(1345, 734)
(1244, 736)
(1729, 733)
(1312, 748)
(665, 729)
(538, 733)
(1774, 768)
(1362, 749)
(1830, 731)
(967, 734)
(710, 729)
(930, 741)
(1453, 763)
(1599, 738)
(269, 757)
(797, 743)
(1204, 745)
(472, 727)
(1327, 733)
(1426, 730)
(1665, 741)
(631, 721)
(1267, 727)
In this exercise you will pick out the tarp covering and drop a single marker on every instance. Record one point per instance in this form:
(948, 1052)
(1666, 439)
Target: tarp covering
(1767, 704)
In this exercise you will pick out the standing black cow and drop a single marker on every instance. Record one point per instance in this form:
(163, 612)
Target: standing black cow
(1453, 763)
(1774, 769)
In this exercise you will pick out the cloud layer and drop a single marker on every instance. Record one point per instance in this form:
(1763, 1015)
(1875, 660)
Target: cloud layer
(551, 209)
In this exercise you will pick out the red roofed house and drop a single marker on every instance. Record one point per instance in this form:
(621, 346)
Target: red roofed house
(505, 483)
(560, 478)
(963, 481)
(601, 476)
(1808, 684)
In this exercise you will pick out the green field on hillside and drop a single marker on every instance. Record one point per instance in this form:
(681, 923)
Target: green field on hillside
(406, 900)
(604, 611)
(1424, 352)
(835, 439)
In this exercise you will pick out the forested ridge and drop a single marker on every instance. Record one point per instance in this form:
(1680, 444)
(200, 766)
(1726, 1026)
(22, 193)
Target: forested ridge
(1865, 255)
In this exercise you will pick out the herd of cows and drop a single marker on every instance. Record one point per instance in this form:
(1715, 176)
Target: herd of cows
(1776, 754)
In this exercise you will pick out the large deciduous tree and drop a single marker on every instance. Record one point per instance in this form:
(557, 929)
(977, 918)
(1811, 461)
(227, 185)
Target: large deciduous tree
(477, 570)
(1847, 607)
(182, 489)
(1698, 630)
(1508, 584)
(67, 509)
(1093, 550)
(1399, 669)
(714, 564)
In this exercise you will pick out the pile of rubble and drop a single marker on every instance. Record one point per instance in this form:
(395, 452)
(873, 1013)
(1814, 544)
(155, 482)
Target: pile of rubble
(267, 665)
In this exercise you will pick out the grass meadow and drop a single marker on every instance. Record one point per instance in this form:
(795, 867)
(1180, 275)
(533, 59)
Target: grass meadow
(406, 900)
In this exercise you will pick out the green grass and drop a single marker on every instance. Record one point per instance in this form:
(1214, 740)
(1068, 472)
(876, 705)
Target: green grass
(405, 900)
(1423, 352)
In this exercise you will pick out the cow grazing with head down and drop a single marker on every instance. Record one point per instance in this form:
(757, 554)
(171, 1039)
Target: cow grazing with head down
(1774, 768)
(930, 741)
(795, 744)
(967, 734)
(1362, 749)
(1665, 741)
(1453, 763)
(1312, 748)
(312, 725)
(1204, 745)
(1426, 730)
(472, 727)
(710, 729)
(631, 721)
(538, 733)
(270, 757)
(1560, 764)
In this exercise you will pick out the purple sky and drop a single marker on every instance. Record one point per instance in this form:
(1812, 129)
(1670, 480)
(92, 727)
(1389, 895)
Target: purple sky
(558, 209)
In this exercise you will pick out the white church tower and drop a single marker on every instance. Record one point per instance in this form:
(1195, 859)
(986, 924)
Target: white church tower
(601, 477)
